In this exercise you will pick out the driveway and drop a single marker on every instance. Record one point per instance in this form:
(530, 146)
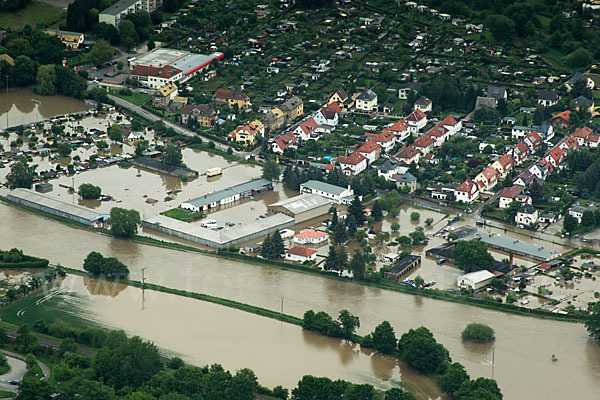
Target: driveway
(18, 368)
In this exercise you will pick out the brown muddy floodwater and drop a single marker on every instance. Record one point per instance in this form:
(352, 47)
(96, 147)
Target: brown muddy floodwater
(205, 333)
(523, 348)
(25, 107)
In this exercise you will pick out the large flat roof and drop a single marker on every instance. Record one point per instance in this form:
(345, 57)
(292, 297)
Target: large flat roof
(256, 184)
(118, 7)
(224, 236)
(515, 245)
(192, 62)
(302, 203)
(324, 187)
(49, 202)
(159, 57)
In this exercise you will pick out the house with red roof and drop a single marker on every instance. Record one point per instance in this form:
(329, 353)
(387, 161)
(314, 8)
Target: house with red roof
(311, 236)
(581, 134)
(562, 120)
(353, 164)
(386, 139)
(300, 254)
(155, 77)
(555, 157)
(416, 121)
(592, 141)
(508, 196)
(489, 178)
(439, 133)
(307, 130)
(424, 144)
(451, 124)
(371, 150)
(519, 152)
(283, 142)
(532, 140)
(503, 165)
(245, 134)
(408, 155)
(570, 143)
(401, 129)
(467, 192)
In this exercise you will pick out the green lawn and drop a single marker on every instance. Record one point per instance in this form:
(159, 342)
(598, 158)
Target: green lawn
(36, 12)
(136, 98)
(6, 395)
(182, 215)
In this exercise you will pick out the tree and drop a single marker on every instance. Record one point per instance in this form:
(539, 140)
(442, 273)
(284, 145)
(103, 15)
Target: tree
(356, 210)
(428, 221)
(64, 149)
(272, 246)
(271, 171)
(588, 218)
(351, 225)
(581, 57)
(399, 394)
(376, 212)
(172, 155)
(417, 236)
(592, 322)
(115, 133)
(395, 227)
(98, 265)
(68, 345)
(27, 71)
(141, 147)
(419, 281)
(384, 338)
(421, 351)
(569, 223)
(472, 255)
(124, 223)
(503, 28)
(340, 235)
(453, 378)
(46, 80)
(349, 323)
(357, 265)
(480, 389)
(127, 34)
(88, 191)
(100, 53)
(21, 175)
(476, 332)
(414, 216)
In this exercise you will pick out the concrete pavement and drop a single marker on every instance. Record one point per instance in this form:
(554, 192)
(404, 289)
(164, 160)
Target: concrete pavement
(17, 371)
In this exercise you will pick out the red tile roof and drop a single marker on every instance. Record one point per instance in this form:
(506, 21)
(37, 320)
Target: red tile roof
(511, 192)
(383, 137)
(165, 72)
(424, 141)
(369, 146)
(407, 153)
(308, 126)
(449, 120)
(399, 126)
(583, 132)
(466, 186)
(310, 234)
(416, 116)
(563, 115)
(353, 159)
(301, 251)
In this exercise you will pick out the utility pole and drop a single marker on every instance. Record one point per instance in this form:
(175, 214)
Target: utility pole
(73, 188)
(143, 277)
(7, 101)
(281, 305)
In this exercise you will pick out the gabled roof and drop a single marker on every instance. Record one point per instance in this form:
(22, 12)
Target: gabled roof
(582, 132)
(399, 126)
(407, 153)
(308, 126)
(407, 177)
(383, 137)
(310, 234)
(548, 95)
(437, 131)
(511, 192)
(527, 209)
(521, 149)
(583, 101)
(333, 106)
(449, 121)
(341, 93)
(565, 115)
(556, 153)
(424, 141)
(416, 116)
(497, 92)
(301, 251)
(467, 186)
(578, 76)
(369, 146)
(505, 161)
(353, 159)
(533, 137)
(489, 173)
(387, 166)
(593, 138)
(367, 95)
(230, 94)
(285, 140)
(423, 101)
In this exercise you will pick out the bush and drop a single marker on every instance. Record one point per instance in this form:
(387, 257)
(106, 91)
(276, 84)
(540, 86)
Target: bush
(414, 216)
(88, 191)
(479, 333)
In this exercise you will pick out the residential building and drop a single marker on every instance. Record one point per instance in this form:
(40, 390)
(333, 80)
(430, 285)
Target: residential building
(155, 77)
(201, 114)
(163, 96)
(336, 194)
(327, 117)
(578, 76)
(540, 170)
(439, 134)
(114, 14)
(408, 155)
(273, 119)
(233, 99)
(386, 139)
(353, 164)
(555, 157)
(527, 215)
(408, 87)
(245, 135)
(71, 40)
(416, 121)
(307, 130)
(532, 140)
(300, 254)
(366, 101)
(519, 152)
(584, 103)
(545, 131)
(283, 142)
(508, 196)
(488, 177)
(525, 179)
(401, 129)
(424, 144)
(548, 98)
(562, 120)
(371, 150)
(339, 96)
(423, 104)
(310, 236)
(387, 169)
(467, 192)
(292, 108)
(497, 92)
(582, 134)
(570, 143)
(577, 212)
(503, 165)
(406, 180)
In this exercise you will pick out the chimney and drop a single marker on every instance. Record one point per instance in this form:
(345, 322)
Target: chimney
(511, 262)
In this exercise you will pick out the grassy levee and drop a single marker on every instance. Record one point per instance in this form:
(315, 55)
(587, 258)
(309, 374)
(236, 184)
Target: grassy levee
(381, 284)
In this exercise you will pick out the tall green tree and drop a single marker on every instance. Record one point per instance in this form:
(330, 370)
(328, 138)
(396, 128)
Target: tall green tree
(472, 255)
(349, 323)
(172, 155)
(376, 211)
(421, 351)
(46, 80)
(592, 323)
(115, 133)
(356, 210)
(21, 175)
(100, 53)
(271, 170)
(88, 191)
(357, 264)
(124, 223)
(453, 378)
(384, 338)
(569, 223)
(127, 34)
(340, 235)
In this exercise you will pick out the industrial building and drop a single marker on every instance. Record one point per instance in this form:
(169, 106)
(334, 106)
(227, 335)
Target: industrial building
(83, 215)
(228, 196)
(402, 267)
(515, 246)
(333, 193)
(302, 208)
(475, 280)
(218, 239)
(161, 66)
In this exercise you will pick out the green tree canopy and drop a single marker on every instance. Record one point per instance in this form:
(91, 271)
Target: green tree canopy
(271, 170)
(21, 175)
(124, 223)
(472, 255)
(88, 191)
(421, 351)
(46, 80)
(476, 332)
(172, 155)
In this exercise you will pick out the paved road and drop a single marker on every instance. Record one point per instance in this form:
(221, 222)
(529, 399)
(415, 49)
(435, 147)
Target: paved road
(53, 344)
(18, 368)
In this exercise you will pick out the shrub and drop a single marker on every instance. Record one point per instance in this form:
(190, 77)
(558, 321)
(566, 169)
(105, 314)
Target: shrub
(479, 333)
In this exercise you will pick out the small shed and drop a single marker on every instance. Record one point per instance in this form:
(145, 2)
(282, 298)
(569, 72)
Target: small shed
(475, 280)
(43, 187)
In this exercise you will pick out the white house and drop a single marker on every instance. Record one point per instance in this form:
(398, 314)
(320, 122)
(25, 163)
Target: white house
(311, 236)
(416, 121)
(307, 130)
(300, 254)
(366, 101)
(527, 215)
(386, 139)
(353, 164)
(336, 194)
(508, 196)
(371, 150)
(467, 192)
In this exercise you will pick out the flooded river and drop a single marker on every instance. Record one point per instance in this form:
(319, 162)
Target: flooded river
(523, 348)
(205, 333)
(22, 106)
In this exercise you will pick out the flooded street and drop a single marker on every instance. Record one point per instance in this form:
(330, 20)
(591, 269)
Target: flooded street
(22, 106)
(205, 333)
(523, 348)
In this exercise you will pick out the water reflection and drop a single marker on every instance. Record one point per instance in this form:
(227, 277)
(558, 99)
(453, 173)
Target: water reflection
(101, 287)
